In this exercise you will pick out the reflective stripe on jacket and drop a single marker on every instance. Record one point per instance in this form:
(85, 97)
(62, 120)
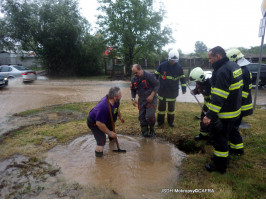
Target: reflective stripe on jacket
(169, 77)
(247, 108)
(226, 92)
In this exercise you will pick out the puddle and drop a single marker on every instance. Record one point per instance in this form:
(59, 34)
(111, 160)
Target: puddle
(148, 166)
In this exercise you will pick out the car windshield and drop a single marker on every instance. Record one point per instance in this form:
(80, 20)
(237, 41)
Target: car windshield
(254, 67)
(21, 68)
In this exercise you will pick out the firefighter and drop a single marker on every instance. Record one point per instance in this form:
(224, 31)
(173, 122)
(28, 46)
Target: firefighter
(203, 86)
(225, 106)
(235, 55)
(146, 86)
(169, 74)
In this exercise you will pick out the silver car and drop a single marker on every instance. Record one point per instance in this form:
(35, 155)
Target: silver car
(12, 71)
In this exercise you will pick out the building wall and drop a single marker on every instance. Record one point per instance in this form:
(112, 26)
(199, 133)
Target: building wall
(14, 59)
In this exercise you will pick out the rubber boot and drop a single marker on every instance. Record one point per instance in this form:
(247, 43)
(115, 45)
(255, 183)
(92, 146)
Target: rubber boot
(218, 164)
(145, 131)
(98, 154)
(237, 152)
(160, 120)
(170, 120)
(152, 132)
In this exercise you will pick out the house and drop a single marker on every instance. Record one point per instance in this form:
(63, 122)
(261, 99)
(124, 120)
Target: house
(113, 66)
(27, 59)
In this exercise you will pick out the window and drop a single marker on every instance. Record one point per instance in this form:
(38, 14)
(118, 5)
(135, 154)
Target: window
(20, 68)
(5, 69)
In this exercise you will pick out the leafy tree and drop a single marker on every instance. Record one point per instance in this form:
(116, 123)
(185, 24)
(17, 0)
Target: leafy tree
(92, 60)
(253, 50)
(54, 30)
(133, 27)
(200, 48)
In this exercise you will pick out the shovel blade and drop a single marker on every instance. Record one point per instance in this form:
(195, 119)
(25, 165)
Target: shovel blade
(120, 151)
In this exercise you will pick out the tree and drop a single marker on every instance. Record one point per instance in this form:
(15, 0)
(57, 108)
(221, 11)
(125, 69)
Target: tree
(200, 48)
(54, 30)
(133, 27)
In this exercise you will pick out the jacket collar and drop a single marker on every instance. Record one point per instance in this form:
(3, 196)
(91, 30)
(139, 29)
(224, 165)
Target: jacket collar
(219, 63)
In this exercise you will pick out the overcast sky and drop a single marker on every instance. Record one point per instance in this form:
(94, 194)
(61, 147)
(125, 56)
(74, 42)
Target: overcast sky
(227, 23)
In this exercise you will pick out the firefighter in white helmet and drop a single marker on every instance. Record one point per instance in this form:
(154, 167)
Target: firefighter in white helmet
(169, 74)
(203, 86)
(235, 55)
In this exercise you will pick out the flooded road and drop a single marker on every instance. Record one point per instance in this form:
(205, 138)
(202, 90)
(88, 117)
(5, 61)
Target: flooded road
(149, 165)
(18, 97)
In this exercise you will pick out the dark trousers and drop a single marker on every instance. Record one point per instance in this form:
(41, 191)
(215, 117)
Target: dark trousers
(204, 130)
(147, 112)
(99, 136)
(162, 109)
(235, 139)
(221, 131)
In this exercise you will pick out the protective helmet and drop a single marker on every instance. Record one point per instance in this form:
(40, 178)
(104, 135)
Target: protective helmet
(173, 55)
(197, 74)
(234, 54)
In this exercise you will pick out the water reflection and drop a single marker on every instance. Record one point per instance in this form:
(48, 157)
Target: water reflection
(148, 166)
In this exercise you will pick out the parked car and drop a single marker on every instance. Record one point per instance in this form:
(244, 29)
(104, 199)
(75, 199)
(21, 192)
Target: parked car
(3, 81)
(253, 68)
(12, 71)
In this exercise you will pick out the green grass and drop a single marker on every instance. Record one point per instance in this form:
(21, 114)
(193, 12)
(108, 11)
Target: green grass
(245, 177)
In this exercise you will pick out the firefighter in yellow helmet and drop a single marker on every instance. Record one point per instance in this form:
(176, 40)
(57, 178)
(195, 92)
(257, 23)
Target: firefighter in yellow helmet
(235, 55)
(203, 86)
(224, 107)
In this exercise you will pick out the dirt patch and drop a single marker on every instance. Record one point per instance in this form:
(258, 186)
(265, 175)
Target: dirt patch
(23, 177)
(18, 121)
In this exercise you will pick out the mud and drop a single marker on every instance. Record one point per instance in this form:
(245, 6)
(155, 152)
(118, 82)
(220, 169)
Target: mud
(72, 171)
(23, 177)
(148, 166)
(17, 121)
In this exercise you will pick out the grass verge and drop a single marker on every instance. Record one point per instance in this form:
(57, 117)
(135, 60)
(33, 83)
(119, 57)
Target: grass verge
(245, 177)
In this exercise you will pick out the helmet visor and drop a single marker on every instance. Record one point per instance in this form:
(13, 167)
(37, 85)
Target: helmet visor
(243, 62)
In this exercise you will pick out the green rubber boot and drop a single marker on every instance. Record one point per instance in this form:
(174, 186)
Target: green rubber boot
(145, 131)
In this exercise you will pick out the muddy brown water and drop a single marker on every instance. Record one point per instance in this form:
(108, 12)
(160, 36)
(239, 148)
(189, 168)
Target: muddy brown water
(148, 166)
(18, 97)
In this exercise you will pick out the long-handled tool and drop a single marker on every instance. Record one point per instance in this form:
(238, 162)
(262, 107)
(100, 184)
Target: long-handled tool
(218, 124)
(113, 127)
(197, 100)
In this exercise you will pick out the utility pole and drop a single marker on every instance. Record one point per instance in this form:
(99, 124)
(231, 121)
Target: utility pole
(261, 34)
